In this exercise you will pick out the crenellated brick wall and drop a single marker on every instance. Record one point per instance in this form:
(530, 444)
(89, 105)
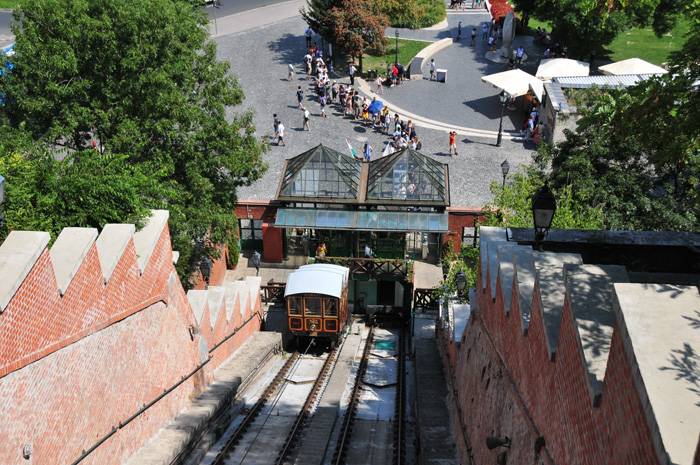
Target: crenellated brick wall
(96, 328)
(510, 381)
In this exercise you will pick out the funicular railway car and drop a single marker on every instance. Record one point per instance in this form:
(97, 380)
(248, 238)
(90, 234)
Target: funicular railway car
(317, 301)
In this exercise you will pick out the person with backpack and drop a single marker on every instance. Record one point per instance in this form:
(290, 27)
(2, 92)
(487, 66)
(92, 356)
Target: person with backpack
(300, 97)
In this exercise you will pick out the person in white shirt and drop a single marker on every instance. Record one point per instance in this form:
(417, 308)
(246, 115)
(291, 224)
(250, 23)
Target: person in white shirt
(290, 76)
(432, 69)
(280, 130)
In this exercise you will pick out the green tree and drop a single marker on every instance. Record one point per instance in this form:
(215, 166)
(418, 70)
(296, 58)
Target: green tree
(316, 16)
(584, 25)
(83, 189)
(358, 27)
(140, 79)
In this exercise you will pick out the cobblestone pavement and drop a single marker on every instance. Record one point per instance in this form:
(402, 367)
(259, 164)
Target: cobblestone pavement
(259, 58)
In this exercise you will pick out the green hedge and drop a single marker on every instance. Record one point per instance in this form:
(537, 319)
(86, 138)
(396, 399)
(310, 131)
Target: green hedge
(418, 14)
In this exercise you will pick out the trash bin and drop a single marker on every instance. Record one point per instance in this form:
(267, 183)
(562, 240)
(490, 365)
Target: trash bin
(441, 75)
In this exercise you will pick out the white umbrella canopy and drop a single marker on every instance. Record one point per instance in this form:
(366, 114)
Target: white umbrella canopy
(560, 67)
(631, 66)
(516, 82)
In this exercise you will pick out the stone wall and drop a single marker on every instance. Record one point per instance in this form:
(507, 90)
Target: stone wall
(99, 345)
(552, 396)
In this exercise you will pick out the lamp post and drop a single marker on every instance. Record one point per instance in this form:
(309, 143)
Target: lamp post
(256, 262)
(461, 280)
(504, 96)
(505, 167)
(396, 33)
(544, 204)
(205, 268)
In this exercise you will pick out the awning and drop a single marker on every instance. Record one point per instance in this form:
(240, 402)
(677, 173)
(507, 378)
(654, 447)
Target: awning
(362, 220)
(516, 82)
(631, 66)
(559, 67)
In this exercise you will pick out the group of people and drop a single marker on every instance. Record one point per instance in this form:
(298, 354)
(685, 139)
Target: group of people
(476, 4)
(533, 128)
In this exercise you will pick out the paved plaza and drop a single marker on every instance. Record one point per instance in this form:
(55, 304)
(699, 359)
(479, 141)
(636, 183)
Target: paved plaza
(259, 44)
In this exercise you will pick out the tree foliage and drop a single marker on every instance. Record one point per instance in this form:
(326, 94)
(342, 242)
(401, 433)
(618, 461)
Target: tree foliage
(358, 27)
(141, 80)
(584, 25)
(316, 16)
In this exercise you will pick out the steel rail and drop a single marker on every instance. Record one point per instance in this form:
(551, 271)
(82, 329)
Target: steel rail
(349, 420)
(306, 409)
(248, 420)
(400, 406)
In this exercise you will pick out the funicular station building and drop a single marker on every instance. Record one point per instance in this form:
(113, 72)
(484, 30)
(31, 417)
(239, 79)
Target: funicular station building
(397, 205)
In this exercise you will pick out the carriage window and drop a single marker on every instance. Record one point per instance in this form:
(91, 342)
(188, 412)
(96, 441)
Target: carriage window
(294, 305)
(312, 306)
(330, 307)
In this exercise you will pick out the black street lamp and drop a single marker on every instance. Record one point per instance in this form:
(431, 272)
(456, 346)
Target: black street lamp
(504, 96)
(544, 204)
(256, 262)
(396, 33)
(461, 280)
(505, 167)
(205, 268)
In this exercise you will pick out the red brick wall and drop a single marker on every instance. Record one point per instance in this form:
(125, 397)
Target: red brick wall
(458, 218)
(76, 366)
(507, 385)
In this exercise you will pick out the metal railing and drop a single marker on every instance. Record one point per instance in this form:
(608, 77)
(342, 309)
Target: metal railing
(424, 299)
(372, 267)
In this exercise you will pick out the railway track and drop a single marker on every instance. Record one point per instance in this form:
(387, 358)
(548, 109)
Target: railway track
(253, 442)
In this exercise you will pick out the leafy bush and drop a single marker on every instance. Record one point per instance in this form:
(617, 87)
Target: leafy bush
(413, 14)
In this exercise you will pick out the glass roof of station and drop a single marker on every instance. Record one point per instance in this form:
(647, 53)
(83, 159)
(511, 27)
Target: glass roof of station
(321, 173)
(407, 175)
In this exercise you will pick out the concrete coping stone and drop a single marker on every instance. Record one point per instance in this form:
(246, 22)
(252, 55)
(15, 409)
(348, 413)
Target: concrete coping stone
(506, 269)
(69, 252)
(253, 283)
(18, 254)
(235, 289)
(494, 263)
(659, 327)
(146, 239)
(589, 292)
(215, 299)
(488, 234)
(111, 245)
(549, 279)
(461, 313)
(198, 303)
(524, 276)
(176, 257)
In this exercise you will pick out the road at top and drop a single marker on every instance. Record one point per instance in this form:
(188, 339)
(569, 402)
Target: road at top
(232, 7)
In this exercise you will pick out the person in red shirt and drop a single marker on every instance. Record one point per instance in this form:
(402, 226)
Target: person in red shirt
(453, 142)
(394, 75)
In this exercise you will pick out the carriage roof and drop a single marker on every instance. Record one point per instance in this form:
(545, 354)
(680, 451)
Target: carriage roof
(318, 278)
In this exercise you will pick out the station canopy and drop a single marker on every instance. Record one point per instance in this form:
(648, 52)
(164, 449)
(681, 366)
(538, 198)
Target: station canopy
(326, 189)
(320, 172)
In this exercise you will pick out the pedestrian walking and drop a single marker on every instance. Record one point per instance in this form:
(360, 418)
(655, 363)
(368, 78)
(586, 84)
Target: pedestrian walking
(491, 42)
(380, 85)
(280, 132)
(473, 42)
(453, 142)
(519, 55)
(459, 30)
(432, 70)
(308, 33)
(276, 124)
(352, 73)
(290, 76)
(484, 31)
(307, 116)
(335, 89)
(394, 74)
(300, 97)
(322, 101)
